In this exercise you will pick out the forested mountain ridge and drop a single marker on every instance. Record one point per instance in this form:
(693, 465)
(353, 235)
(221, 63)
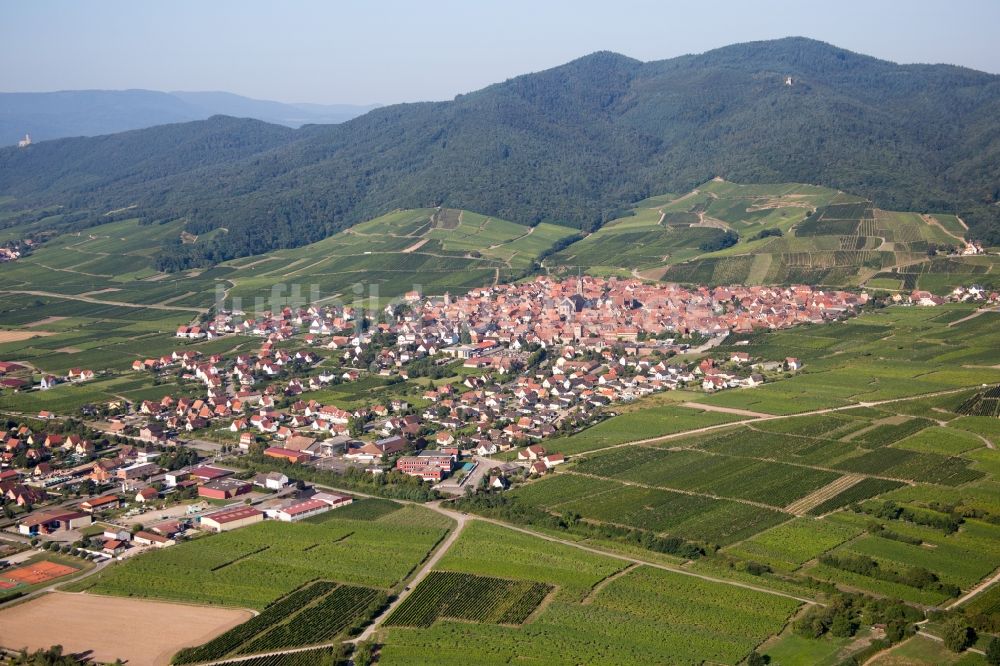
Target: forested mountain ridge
(575, 144)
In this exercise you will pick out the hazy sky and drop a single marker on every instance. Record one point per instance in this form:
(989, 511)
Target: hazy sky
(354, 51)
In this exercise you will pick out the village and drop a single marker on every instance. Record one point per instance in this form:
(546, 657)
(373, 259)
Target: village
(519, 364)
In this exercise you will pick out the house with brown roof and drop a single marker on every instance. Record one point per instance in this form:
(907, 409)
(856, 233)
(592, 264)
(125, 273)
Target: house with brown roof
(103, 503)
(145, 538)
(533, 452)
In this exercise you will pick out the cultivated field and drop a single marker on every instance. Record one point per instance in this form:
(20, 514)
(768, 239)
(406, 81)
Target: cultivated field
(137, 631)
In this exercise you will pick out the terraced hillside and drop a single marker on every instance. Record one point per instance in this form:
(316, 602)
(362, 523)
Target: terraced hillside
(787, 233)
(438, 249)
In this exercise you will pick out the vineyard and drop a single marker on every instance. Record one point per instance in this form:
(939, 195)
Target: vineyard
(986, 403)
(269, 617)
(773, 483)
(317, 657)
(791, 544)
(962, 558)
(447, 594)
(914, 466)
(359, 509)
(691, 517)
(647, 616)
(345, 607)
(316, 613)
(885, 434)
(490, 550)
(862, 490)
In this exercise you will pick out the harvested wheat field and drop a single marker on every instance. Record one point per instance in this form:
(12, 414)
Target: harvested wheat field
(17, 336)
(44, 322)
(138, 631)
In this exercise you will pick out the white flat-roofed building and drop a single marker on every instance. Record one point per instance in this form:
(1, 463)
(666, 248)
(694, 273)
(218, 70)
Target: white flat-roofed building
(232, 519)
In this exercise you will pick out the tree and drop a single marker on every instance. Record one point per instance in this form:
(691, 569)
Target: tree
(993, 652)
(958, 635)
(756, 659)
(811, 625)
(842, 626)
(363, 653)
(895, 632)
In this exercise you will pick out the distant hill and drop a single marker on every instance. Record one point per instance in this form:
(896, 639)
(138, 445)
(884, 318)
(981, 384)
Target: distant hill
(55, 115)
(574, 145)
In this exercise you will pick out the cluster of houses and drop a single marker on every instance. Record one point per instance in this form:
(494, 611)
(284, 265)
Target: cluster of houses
(593, 312)
(29, 460)
(9, 254)
(140, 480)
(970, 294)
(289, 511)
(18, 377)
(603, 337)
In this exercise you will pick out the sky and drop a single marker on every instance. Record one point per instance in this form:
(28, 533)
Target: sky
(388, 51)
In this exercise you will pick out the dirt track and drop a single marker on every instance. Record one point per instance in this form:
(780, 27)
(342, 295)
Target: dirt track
(141, 632)
(88, 299)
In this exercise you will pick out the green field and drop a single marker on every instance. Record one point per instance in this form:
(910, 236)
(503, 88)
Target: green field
(735, 486)
(434, 250)
(794, 543)
(882, 355)
(772, 483)
(764, 492)
(489, 550)
(638, 425)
